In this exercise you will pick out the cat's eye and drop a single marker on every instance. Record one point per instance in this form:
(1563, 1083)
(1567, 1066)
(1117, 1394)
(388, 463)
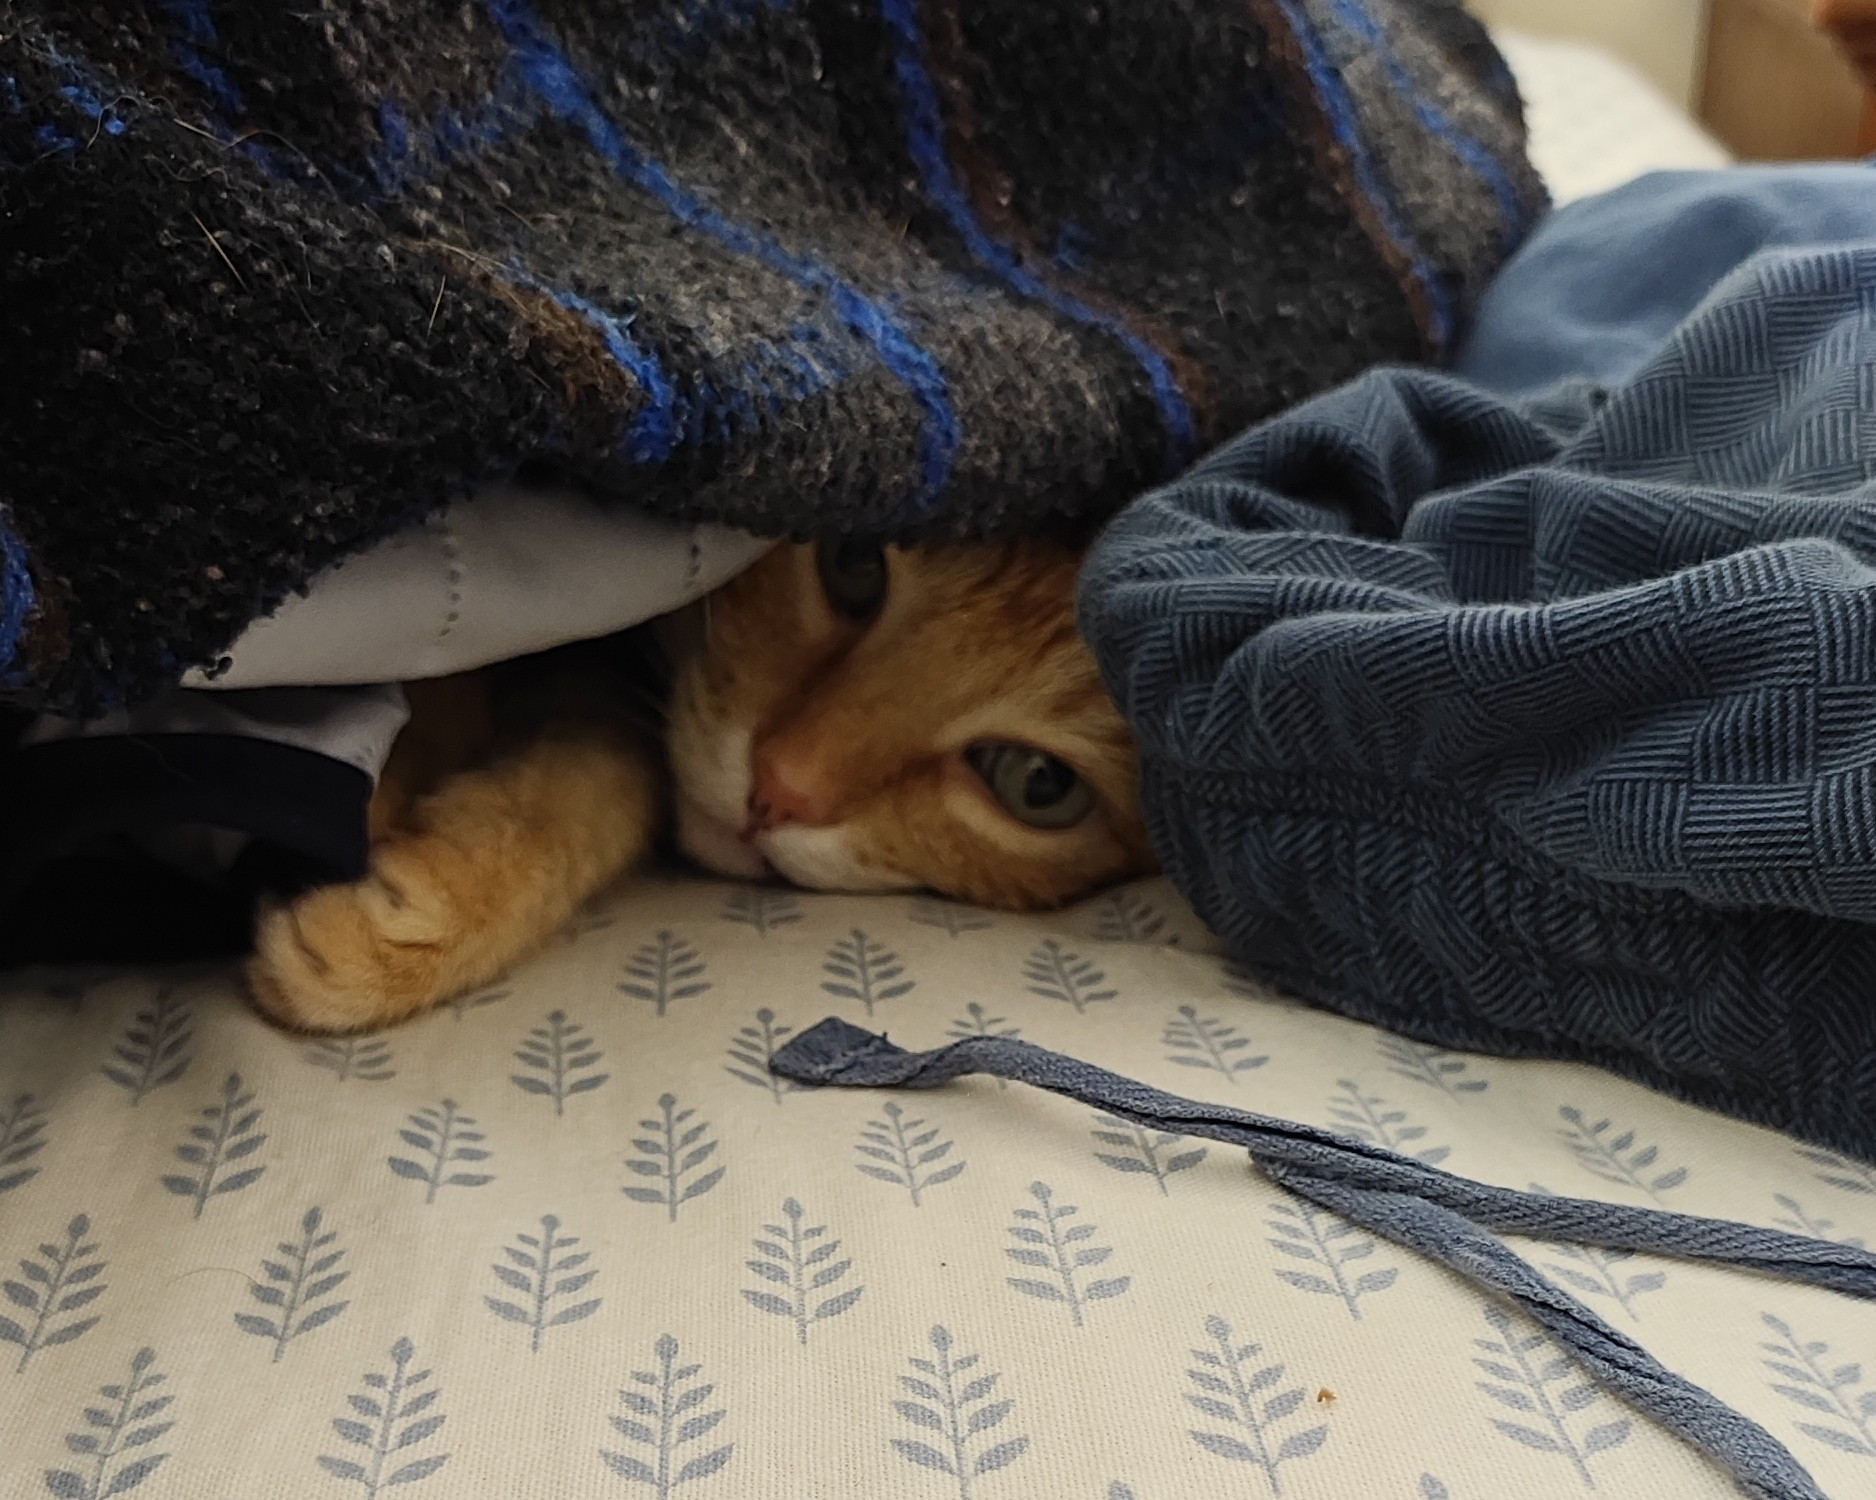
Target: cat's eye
(854, 575)
(1033, 786)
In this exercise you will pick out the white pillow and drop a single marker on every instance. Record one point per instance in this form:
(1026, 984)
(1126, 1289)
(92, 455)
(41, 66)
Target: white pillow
(514, 568)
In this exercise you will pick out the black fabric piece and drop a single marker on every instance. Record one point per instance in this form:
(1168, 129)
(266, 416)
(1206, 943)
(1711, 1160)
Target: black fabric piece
(77, 885)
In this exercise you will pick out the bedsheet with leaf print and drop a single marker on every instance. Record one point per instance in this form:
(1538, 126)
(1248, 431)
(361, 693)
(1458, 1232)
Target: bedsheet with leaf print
(569, 1237)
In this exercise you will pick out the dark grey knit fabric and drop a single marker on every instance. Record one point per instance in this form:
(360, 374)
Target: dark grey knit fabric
(279, 280)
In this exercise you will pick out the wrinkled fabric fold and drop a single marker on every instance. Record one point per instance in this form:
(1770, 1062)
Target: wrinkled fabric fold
(1544, 727)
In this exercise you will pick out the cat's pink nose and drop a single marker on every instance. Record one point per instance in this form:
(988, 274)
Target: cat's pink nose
(785, 792)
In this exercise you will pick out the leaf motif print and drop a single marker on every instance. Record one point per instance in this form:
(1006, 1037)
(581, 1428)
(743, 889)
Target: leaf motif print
(1810, 1379)
(1368, 1117)
(226, 1136)
(762, 908)
(976, 1021)
(665, 971)
(1795, 1218)
(544, 1269)
(394, 1413)
(801, 1269)
(365, 1058)
(1055, 973)
(61, 1280)
(1617, 1156)
(1594, 1271)
(909, 1153)
(666, 1418)
(1158, 1154)
(953, 1411)
(1197, 1041)
(1335, 1249)
(560, 1057)
(1840, 1172)
(129, 1422)
(1125, 916)
(950, 917)
(1064, 1252)
(751, 1050)
(297, 1287)
(865, 971)
(22, 1137)
(669, 1154)
(1432, 1067)
(442, 1137)
(154, 1049)
(1239, 981)
(1530, 1376)
(1231, 1389)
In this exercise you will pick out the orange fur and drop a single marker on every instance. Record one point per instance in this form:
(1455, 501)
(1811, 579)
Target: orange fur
(480, 854)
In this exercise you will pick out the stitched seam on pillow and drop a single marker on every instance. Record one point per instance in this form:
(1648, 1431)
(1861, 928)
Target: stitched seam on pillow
(454, 574)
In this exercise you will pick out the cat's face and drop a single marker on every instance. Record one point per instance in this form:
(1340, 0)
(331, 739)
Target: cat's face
(867, 720)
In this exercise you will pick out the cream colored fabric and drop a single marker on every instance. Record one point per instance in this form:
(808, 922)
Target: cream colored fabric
(1596, 122)
(516, 567)
(157, 1129)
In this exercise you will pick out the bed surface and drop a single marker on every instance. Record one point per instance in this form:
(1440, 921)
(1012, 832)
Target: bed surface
(1595, 122)
(288, 1224)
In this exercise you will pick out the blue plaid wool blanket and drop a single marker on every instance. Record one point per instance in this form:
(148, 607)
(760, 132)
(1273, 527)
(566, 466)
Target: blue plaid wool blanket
(279, 280)
(1547, 725)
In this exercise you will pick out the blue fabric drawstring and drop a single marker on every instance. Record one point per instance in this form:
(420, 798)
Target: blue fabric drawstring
(1448, 1219)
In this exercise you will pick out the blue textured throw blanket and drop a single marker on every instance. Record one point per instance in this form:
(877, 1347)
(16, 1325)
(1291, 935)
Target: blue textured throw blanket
(1548, 726)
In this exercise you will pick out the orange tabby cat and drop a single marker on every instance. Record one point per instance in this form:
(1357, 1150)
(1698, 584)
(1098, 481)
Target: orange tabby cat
(848, 717)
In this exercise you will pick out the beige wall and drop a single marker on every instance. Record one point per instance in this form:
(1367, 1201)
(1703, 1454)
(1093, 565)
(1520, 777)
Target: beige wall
(1659, 37)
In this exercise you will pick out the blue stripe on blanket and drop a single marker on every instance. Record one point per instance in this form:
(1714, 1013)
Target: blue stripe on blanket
(17, 601)
(554, 80)
(1459, 140)
(82, 93)
(655, 428)
(412, 152)
(1339, 107)
(196, 39)
(924, 125)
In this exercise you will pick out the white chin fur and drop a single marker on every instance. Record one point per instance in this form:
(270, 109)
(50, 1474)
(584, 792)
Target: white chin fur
(715, 845)
(822, 859)
(713, 777)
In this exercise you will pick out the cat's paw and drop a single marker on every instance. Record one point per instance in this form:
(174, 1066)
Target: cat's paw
(354, 957)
